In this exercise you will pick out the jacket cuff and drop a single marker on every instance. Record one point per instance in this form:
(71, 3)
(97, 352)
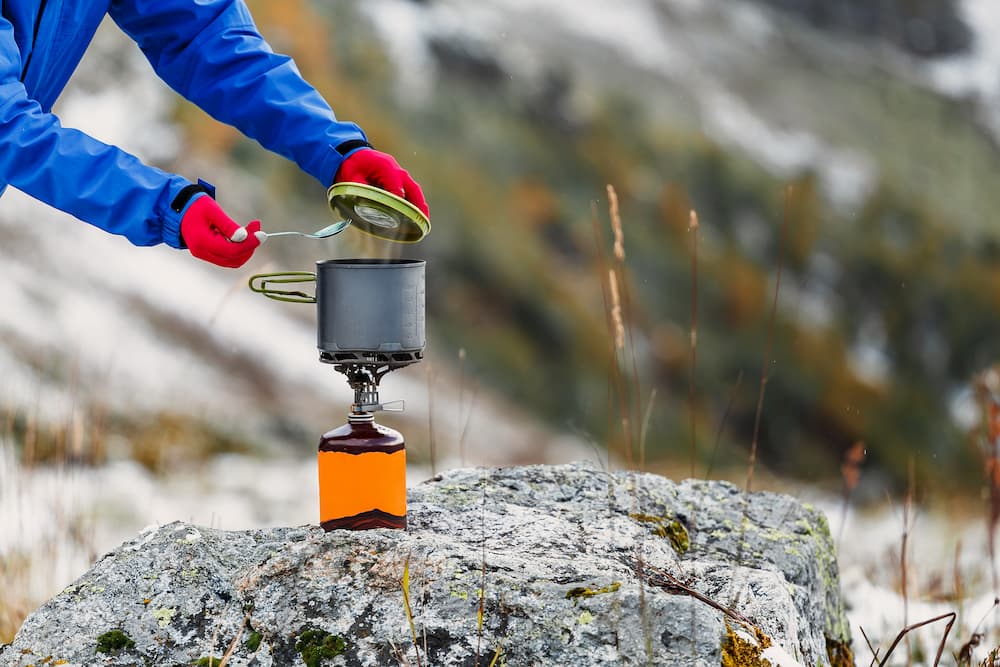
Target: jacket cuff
(352, 143)
(179, 197)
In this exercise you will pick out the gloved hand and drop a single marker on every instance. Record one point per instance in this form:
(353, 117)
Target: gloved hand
(213, 236)
(380, 169)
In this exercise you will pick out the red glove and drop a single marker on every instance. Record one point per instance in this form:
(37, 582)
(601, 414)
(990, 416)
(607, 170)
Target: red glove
(213, 236)
(379, 169)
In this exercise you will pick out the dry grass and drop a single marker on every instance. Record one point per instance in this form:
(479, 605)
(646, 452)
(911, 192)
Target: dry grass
(15, 602)
(62, 445)
(39, 462)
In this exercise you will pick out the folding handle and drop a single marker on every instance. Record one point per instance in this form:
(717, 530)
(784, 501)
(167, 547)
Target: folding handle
(262, 284)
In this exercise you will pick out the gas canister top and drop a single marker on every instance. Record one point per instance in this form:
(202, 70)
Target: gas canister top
(378, 213)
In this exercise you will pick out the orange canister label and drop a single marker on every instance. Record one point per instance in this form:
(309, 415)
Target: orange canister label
(352, 484)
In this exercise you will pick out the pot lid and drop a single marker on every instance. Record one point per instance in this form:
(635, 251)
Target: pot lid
(377, 212)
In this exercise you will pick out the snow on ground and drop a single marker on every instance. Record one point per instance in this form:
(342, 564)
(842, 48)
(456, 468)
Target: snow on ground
(942, 544)
(695, 49)
(778, 657)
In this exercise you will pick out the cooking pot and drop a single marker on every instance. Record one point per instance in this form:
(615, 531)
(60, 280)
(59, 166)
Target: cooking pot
(368, 310)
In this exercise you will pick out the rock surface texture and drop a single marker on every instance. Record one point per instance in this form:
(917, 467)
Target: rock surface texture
(565, 565)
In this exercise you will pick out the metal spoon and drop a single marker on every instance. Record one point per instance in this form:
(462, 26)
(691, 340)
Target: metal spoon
(324, 233)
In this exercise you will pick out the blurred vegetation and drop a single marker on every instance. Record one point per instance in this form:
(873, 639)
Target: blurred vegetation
(886, 311)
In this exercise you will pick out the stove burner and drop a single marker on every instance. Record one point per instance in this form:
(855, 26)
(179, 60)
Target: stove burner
(393, 359)
(364, 379)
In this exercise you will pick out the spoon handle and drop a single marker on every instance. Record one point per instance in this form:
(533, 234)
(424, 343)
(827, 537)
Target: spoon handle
(269, 234)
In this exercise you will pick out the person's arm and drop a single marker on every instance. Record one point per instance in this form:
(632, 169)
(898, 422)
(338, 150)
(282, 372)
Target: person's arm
(211, 52)
(104, 185)
(65, 168)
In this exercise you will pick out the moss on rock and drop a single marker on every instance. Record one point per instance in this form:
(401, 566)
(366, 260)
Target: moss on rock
(114, 642)
(316, 645)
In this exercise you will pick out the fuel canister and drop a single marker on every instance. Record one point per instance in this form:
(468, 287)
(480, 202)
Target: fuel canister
(362, 476)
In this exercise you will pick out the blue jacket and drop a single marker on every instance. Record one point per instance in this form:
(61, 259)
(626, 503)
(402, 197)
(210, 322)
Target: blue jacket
(209, 51)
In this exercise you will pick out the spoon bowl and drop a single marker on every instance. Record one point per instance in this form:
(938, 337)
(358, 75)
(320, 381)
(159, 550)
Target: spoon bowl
(325, 233)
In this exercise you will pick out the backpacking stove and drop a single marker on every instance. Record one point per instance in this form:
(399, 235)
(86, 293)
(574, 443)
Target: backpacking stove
(370, 321)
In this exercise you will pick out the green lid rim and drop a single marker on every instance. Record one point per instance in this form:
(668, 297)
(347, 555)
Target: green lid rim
(387, 199)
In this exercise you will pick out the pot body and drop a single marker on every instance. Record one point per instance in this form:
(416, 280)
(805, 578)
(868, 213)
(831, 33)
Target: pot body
(370, 307)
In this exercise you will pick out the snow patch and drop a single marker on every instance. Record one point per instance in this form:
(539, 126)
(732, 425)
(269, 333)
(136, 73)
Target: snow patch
(779, 657)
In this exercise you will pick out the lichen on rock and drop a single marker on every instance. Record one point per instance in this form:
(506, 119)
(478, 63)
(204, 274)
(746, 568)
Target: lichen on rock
(740, 650)
(537, 564)
(667, 528)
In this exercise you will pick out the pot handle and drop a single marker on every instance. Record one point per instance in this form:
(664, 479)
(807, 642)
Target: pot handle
(262, 284)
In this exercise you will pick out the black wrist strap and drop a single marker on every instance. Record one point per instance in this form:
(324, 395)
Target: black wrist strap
(189, 191)
(351, 144)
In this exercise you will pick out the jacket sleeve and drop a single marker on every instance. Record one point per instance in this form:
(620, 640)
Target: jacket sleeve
(210, 52)
(67, 169)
